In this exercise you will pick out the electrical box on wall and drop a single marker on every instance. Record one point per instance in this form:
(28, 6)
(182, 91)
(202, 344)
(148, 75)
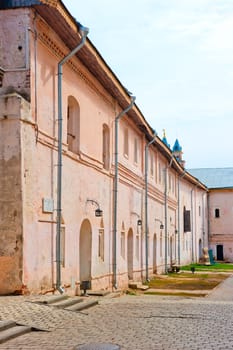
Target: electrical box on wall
(47, 205)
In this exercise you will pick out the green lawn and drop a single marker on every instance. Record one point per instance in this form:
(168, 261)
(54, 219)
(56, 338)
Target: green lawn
(217, 267)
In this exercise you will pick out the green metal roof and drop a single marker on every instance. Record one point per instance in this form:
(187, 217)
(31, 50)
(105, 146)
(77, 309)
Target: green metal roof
(214, 177)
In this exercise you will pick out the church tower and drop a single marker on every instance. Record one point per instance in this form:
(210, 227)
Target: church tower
(177, 152)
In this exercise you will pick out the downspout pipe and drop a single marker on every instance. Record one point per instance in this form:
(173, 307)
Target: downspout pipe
(192, 223)
(83, 31)
(146, 206)
(115, 191)
(179, 228)
(165, 212)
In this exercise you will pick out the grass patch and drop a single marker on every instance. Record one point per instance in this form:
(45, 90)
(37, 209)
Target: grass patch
(187, 281)
(219, 267)
(181, 294)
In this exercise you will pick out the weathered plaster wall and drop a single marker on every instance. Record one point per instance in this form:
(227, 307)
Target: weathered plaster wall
(10, 195)
(14, 51)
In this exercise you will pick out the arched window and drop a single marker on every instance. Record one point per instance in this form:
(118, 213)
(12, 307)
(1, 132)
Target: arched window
(73, 124)
(106, 147)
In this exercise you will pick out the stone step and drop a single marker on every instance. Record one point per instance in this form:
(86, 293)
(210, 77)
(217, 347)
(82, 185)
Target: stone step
(68, 302)
(100, 293)
(54, 299)
(5, 324)
(13, 332)
(138, 285)
(82, 306)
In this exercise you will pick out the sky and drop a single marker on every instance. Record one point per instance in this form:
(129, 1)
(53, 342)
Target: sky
(176, 57)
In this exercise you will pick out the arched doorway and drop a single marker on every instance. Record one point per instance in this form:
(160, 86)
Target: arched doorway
(154, 254)
(130, 254)
(85, 251)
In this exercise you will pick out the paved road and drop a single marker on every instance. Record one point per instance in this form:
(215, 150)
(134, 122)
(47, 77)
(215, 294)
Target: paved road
(132, 322)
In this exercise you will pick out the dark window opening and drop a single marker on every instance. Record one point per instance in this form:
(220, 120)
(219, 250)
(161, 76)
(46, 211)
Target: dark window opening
(187, 220)
(217, 213)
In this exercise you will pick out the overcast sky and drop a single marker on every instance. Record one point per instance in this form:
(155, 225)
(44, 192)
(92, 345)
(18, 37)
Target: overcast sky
(176, 56)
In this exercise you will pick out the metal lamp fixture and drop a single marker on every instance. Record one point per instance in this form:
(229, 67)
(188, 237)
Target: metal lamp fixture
(161, 224)
(139, 222)
(98, 211)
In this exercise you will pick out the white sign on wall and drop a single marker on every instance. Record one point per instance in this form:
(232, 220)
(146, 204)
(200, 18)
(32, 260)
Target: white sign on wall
(47, 205)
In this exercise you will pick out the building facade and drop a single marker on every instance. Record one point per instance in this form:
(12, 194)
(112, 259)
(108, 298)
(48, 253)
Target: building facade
(109, 163)
(220, 208)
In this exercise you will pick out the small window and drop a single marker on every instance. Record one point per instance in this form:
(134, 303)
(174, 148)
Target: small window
(151, 164)
(73, 116)
(126, 143)
(187, 220)
(169, 181)
(106, 147)
(217, 213)
(156, 165)
(135, 151)
(160, 173)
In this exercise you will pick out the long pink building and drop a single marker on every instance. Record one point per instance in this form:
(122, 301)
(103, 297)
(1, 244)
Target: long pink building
(88, 192)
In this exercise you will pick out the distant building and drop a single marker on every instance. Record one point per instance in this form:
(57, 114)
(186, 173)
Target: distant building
(220, 209)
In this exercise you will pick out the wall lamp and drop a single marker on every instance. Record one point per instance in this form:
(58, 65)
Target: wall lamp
(98, 211)
(161, 224)
(139, 221)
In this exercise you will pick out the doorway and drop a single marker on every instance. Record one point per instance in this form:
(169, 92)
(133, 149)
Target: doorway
(130, 254)
(219, 249)
(85, 251)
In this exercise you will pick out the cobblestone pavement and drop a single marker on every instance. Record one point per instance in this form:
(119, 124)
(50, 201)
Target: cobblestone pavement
(132, 322)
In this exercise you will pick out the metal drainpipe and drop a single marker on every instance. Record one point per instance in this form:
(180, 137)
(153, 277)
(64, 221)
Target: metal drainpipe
(192, 223)
(83, 32)
(165, 210)
(115, 203)
(146, 205)
(178, 199)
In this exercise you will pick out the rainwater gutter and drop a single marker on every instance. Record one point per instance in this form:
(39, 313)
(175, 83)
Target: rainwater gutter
(115, 191)
(83, 31)
(192, 223)
(146, 205)
(178, 204)
(165, 212)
